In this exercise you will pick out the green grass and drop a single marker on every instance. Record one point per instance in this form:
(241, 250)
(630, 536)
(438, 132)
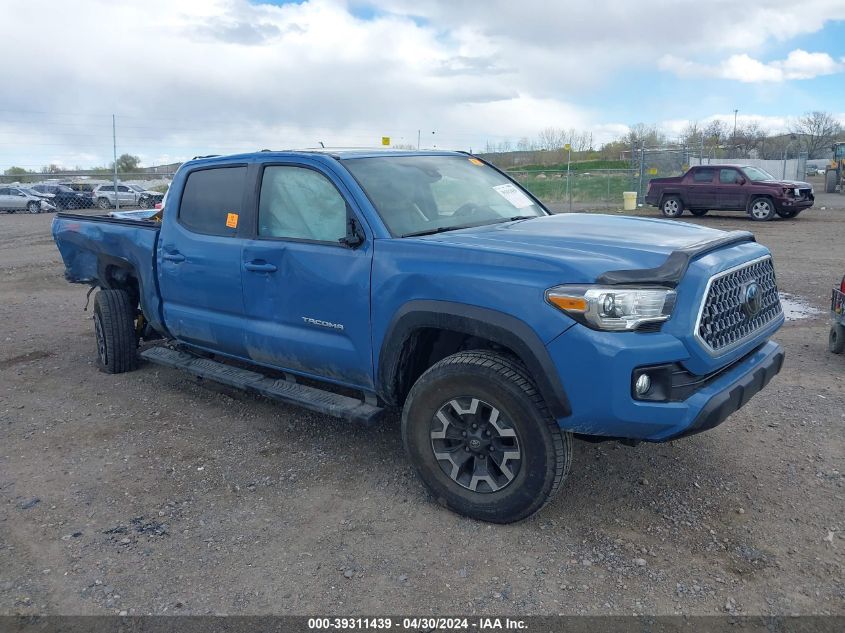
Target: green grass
(585, 165)
(607, 187)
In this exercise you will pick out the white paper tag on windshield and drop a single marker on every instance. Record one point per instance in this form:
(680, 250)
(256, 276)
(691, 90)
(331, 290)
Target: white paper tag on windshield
(513, 195)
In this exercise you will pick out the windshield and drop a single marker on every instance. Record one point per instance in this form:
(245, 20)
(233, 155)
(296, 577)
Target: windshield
(416, 195)
(137, 188)
(29, 192)
(756, 174)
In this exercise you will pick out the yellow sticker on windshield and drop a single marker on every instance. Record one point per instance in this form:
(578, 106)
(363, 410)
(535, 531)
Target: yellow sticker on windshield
(475, 161)
(232, 220)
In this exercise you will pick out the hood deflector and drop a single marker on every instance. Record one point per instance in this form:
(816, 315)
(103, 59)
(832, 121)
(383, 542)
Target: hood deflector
(670, 272)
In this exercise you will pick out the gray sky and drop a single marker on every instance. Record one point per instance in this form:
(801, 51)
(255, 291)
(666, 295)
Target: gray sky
(188, 77)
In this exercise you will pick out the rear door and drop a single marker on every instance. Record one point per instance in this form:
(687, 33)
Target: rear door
(306, 295)
(199, 260)
(17, 199)
(729, 193)
(701, 192)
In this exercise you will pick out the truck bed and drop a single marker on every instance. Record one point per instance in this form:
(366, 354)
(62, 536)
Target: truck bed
(99, 250)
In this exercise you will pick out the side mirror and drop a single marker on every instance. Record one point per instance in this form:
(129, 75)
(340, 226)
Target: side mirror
(21, 195)
(354, 235)
(740, 181)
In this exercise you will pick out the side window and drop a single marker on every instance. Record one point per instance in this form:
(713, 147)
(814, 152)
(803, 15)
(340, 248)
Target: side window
(703, 175)
(4, 192)
(122, 188)
(300, 203)
(15, 192)
(211, 202)
(727, 176)
(107, 189)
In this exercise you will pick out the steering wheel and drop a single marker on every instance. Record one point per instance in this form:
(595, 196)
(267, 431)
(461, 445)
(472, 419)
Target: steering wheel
(467, 209)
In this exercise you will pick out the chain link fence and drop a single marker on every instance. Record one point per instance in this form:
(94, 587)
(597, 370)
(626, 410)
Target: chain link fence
(74, 191)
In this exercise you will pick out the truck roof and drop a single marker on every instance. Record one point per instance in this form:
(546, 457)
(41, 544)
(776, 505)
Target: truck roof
(340, 153)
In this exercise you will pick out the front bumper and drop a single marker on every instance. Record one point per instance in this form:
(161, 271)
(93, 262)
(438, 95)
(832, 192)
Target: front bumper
(790, 204)
(600, 395)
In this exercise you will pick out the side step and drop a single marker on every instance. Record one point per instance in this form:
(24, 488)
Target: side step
(293, 393)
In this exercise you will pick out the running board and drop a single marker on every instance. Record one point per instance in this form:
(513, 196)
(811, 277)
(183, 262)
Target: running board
(311, 398)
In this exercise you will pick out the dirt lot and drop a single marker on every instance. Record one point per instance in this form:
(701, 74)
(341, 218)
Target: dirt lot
(148, 493)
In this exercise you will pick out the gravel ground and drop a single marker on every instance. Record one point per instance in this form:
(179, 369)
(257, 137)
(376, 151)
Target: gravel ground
(150, 493)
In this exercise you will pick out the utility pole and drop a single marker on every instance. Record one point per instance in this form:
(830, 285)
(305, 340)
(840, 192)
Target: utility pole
(418, 140)
(734, 138)
(568, 184)
(114, 146)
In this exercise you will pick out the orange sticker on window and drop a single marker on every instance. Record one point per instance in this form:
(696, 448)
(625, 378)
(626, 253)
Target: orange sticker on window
(232, 220)
(475, 161)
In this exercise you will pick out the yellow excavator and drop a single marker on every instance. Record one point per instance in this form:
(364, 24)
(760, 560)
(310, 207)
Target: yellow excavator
(834, 175)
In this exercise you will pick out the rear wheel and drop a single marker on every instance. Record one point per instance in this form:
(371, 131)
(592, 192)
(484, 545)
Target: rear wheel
(482, 439)
(672, 207)
(698, 212)
(114, 329)
(761, 209)
(836, 341)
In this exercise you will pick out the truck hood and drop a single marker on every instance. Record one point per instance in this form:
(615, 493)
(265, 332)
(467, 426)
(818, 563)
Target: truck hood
(586, 244)
(794, 184)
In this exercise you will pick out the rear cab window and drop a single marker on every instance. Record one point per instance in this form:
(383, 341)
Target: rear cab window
(703, 175)
(212, 200)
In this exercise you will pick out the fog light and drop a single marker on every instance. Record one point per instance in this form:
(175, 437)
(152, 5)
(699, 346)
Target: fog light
(643, 385)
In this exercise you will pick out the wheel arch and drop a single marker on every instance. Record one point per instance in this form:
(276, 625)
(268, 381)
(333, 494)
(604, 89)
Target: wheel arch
(423, 332)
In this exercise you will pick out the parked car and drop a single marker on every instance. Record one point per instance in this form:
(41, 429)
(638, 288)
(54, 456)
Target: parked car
(13, 199)
(84, 188)
(433, 283)
(64, 197)
(837, 314)
(127, 196)
(729, 188)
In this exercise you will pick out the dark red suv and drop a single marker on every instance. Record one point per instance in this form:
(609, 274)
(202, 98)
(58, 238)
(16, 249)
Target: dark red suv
(729, 188)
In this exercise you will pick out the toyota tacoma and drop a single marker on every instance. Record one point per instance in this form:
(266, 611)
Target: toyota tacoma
(354, 282)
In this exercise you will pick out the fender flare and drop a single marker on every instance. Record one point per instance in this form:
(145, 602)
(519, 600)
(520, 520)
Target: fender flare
(492, 325)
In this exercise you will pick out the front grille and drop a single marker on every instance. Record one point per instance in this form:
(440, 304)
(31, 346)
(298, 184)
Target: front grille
(726, 319)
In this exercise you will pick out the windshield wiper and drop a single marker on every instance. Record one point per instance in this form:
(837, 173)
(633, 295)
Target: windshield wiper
(439, 229)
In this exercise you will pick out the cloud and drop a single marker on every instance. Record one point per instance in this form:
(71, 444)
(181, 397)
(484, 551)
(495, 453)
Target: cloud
(188, 77)
(799, 64)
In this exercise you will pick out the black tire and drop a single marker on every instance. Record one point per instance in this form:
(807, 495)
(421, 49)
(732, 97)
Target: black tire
(699, 212)
(33, 207)
(786, 214)
(761, 209)
(59, 205)
(525, 426)
(114, 329)
(830, 180)
(836, 340)
(103, 203)
(144, 203)
(672, 207)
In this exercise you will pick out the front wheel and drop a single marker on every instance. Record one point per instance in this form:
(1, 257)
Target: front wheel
(114, 329)
(34, 207)
(698, 212)
(144, 203)
(789, 213)
(103, 203)
(672, 207)
(762, 210)
(482, 440)
(836, 341)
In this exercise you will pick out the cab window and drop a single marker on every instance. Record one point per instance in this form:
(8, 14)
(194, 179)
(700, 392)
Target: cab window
(703, 175)
(300, 203)
(212, 200)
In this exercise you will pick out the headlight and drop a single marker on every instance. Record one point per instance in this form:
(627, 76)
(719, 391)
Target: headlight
(613, 308)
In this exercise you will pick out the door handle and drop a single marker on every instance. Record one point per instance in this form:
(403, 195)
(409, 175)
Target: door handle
(174, 257)
(260, 266)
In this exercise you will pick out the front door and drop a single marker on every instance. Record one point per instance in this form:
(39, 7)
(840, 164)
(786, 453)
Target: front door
(199, 260)
(729, 193)
(306, 295)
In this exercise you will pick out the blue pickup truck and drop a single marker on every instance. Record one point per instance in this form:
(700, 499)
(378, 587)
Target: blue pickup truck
(353, 282)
